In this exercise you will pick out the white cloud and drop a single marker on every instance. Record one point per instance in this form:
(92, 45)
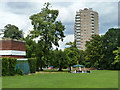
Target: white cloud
(107, 13)
(8, 16)
(61, 0)
(102, 34)
(68, 38)
(20, 21)
(67, 14)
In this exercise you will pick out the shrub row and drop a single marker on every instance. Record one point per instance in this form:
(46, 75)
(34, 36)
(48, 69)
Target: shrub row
(8, 66)
(32, 64)
(0, 67)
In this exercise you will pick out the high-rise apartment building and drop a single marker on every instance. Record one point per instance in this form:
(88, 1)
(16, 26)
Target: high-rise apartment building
(86, 24)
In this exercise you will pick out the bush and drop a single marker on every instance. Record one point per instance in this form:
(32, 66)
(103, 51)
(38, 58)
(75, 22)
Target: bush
(8, 66)
(32, 64)
(0, 67)
(87, 65)
(5, 67)
(19, 72)
(12, 63)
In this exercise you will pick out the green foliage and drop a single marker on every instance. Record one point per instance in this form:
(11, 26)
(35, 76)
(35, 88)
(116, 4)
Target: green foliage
(48, 30)
(71, 44)
(75, 56)
(41, 60)
(12, 63)
(118, 36)
(51, 58)
(102, 51)
(94, 51)
(32, 64)
(72, 55)
(87, 64)
(19, 72)
(5, 66)
(117, 57)
(30, 47)
(60, 60)
(8, 66)
(46, 26)
(0, 67)
(13, 32)
(110, 43)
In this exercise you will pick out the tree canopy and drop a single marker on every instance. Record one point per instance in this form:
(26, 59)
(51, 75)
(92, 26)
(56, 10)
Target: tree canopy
(110, 43)
(13, 32)
(47, 29)
(94, 51)
(117, 57)
(99, 50)
(46, 26)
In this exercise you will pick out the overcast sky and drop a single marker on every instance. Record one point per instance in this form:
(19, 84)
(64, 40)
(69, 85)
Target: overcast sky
(18, 13)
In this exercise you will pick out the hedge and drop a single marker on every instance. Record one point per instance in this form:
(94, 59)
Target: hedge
(19, 72)
(8, 66)
(0, 67)
(32, 64)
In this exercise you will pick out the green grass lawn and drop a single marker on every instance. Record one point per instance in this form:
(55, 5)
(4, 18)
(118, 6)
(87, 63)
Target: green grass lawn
(95, 79)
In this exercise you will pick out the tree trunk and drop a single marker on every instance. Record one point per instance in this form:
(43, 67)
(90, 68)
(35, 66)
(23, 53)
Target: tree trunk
(60, 69)
(69, 68)
(37, 69)
(41, 68)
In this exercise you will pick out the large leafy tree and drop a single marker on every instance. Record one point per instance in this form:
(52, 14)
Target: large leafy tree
(47, 29)
(117, 57)
(94, 51)
(110, 43)
(71, 53)
(31, 47)
(60, 59)
(116, 62)
(75, 56)
(71, 44)
(118, 36)
(81, 57)
(13, 32)
(41, 58)
(100, 49)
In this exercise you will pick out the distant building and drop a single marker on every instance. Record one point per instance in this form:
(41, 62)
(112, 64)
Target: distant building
(86, 24)
(13, 48)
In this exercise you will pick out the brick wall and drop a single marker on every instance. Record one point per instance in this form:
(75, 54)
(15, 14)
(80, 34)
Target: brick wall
(12, 45)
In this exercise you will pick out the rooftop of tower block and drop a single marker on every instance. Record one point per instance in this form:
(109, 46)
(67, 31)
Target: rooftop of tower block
(85, 9)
